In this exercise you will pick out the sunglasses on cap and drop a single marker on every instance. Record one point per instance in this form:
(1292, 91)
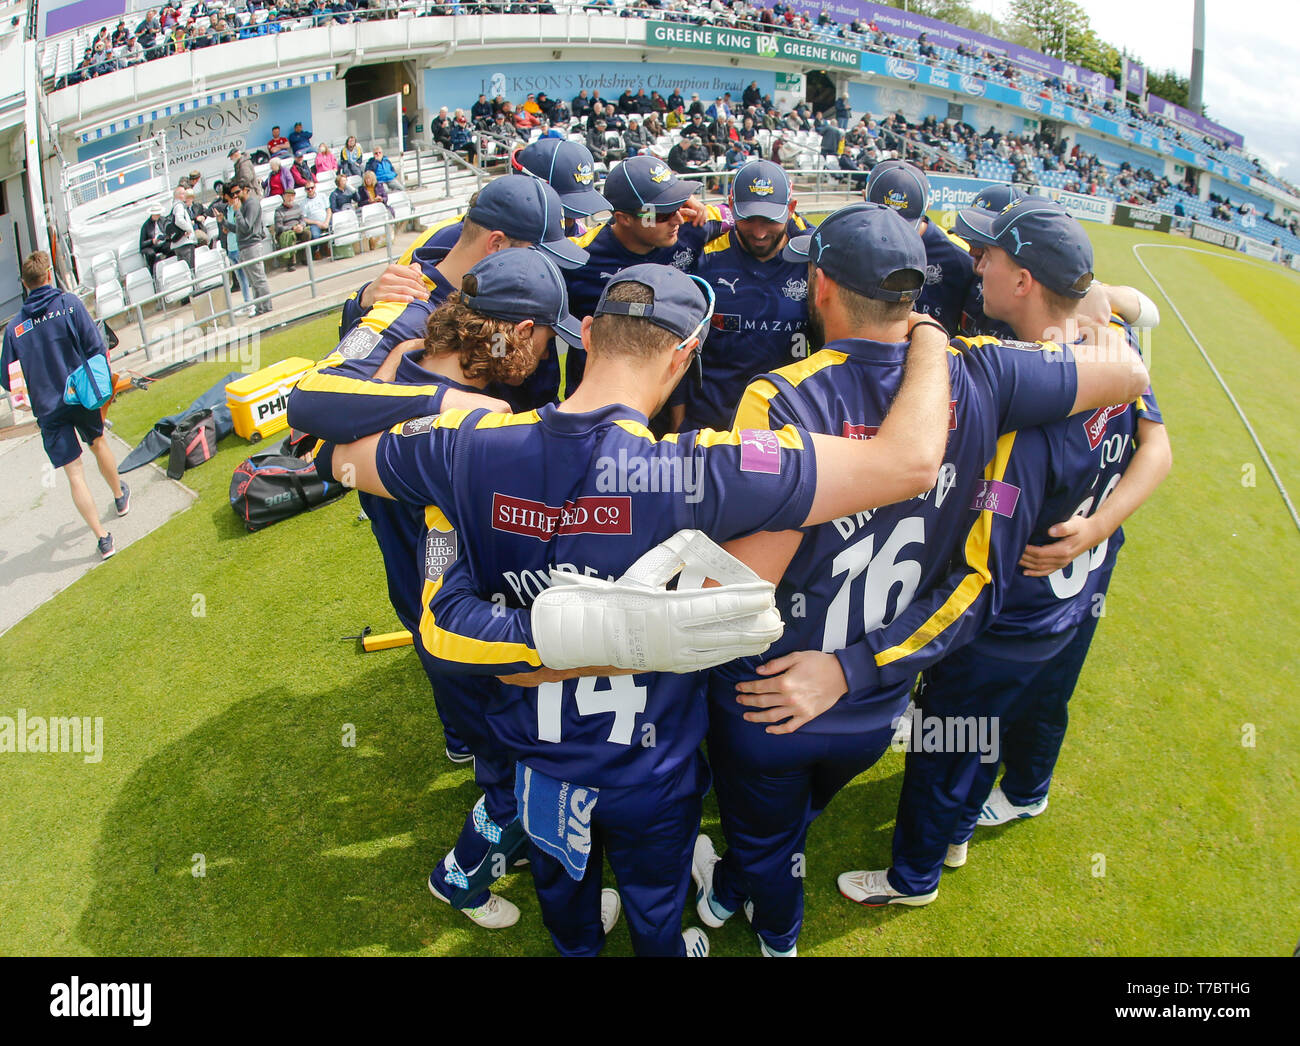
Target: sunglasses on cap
(697, 363)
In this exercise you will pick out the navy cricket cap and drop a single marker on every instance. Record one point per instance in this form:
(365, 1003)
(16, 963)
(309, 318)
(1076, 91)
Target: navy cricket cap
(568, 168)
(900, 185)
(861, 246)
(761, 190)
(527, 209)
(996, 197)
(1041, 236)
(681, 305)
(519, 284)
(645, 183)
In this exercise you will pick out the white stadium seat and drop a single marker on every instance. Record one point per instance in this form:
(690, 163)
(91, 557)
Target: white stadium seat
(104, 267)
(209, 269)
(109, 299)
(173, 280)
(139, 286)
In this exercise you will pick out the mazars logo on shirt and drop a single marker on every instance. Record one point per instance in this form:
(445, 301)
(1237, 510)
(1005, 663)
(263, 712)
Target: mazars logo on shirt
(1095, 426)
(587, 515)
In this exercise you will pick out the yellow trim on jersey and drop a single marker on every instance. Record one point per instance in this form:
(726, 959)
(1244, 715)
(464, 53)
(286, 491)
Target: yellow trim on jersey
(450, 646)
(637, 429)
(755, 408)
(957, 240)
(425, 236)
(448, 419)
(384, 313)
(719, 243)
(496, 421)
(795, 373)
(315, 381)
(786, 436)
(799, 223)
(585, 238)
(978, 541)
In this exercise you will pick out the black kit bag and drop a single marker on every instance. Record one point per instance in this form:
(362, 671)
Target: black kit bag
(194, 441)
(267, 488)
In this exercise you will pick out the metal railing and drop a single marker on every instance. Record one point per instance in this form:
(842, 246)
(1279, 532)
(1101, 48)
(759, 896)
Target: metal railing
(211, 326)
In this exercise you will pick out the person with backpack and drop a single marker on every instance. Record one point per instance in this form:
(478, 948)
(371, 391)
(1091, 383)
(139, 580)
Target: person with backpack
(51, 338)
(179, 228)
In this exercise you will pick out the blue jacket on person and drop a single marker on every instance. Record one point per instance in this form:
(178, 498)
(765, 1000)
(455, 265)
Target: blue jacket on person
(383, 169)
(300, 142)
(50, 337)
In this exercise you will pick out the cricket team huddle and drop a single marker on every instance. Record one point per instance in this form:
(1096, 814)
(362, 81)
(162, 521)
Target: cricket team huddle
(895, 452)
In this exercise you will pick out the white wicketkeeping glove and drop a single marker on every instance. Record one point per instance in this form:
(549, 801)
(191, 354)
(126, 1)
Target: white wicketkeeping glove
(636, 623)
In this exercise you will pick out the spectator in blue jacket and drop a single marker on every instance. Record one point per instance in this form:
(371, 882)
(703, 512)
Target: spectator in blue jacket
(382, 167)
(50, 338)
(843, 111)
(299, 140)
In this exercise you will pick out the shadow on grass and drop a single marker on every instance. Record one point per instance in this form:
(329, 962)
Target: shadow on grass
(310, 847)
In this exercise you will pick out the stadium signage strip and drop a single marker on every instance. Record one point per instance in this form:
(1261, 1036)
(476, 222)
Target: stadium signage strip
(1209, 234)
(1085, 208)
(1142, 218)
(756, 45)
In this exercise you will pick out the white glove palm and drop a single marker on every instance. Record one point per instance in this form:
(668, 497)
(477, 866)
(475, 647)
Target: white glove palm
(637, 623)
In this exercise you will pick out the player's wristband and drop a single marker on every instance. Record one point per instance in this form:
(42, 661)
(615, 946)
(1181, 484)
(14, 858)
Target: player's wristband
(928, 323)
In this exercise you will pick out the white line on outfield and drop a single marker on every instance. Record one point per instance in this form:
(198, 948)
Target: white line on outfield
(1268, 464)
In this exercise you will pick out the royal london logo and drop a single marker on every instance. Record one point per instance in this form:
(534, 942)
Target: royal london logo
(583, 174)
(795, 289)
(762, 187)
(660, 174)
(898, 68)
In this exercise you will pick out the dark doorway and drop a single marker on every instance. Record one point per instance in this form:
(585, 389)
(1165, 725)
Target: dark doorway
(820, 92)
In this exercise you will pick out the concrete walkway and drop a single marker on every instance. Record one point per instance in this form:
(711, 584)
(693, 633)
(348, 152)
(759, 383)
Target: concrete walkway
(44, 544)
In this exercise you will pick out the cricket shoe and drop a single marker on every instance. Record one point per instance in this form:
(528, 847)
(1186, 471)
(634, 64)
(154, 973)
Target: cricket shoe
(998, 809)
(123, 504)
(873, 890)
(106, 547)
(610, 907)
(956, 855)
(703, 861)
(763, 949)
(459, 754)
(697, 944)
(496, 913)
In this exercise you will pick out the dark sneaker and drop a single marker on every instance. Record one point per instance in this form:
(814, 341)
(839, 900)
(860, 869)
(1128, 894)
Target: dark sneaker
(106, 548)
(123, 504)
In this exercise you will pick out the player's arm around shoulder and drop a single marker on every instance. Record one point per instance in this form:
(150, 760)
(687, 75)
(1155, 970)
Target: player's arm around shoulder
(904, 458)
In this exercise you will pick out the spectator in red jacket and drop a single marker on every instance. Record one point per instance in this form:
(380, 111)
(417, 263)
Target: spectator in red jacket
(279, 145)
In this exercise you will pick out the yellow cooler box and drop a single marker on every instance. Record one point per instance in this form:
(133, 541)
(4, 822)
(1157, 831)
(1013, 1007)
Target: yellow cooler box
(259, 401)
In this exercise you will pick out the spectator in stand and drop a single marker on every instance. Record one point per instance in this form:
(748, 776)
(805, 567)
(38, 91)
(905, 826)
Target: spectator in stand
(676, 118)
(625, 103)
(653, 126)
(688, 155)
(635, 138)
(641, 103)
(326, 161)
(531, 106)
(225, 215)
(581, 105)
(382, 168)
(299, 140)
(342, 197)
(373, 191)
(749, 136)
(843, 111)
(657, 103)
(462, 137)
(290, 228)
(440, 128)
(316, 213)
(351, 158)
(526, 120)
(250, 234)
(278, 146)
(153, 239)
(736, 155)
(197, 213)
(504, 130)
(676, 101)
(597, 143)
(120, 35)
(481, 111)
(718, 110)
(183, 246)
(302, 172)
(696, 106)
(283, 178)
(752, 95)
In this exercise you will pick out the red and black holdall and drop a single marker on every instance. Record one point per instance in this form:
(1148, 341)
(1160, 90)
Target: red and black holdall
(267, 488)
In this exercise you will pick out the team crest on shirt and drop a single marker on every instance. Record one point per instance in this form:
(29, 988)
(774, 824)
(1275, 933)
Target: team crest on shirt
(418, 425)
(795, 289)
(439, 553)
(934, 274)
(684, 259)
(762, 187)
(583, 175)
(659, 174)
(358, 344)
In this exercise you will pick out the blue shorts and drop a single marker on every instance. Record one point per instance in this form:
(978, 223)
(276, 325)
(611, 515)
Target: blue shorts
(59, 432)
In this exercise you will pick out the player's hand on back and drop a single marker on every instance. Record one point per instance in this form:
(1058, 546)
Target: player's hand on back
(797, 689)
(1076, 535)
(402, 283)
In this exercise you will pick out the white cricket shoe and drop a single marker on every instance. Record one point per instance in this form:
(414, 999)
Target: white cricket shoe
(611, 905)
(873, 890)
(956, 855)
(496, 913)
(903, 731)
(702, 862)
(998, 809)
(763, 949)
(697, 944)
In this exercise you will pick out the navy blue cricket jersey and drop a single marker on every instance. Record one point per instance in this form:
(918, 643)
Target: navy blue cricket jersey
(606, 256)
(949, 277)
(52, 336)
(514, 495)
(759, 325)
(857, 573)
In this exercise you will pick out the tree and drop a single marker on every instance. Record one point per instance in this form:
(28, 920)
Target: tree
(1171, 87)
(1058, 28)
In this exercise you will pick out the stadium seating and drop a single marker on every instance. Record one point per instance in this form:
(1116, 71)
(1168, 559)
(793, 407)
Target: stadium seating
(173, 280)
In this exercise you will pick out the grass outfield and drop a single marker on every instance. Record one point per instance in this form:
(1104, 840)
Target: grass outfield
(223, 732)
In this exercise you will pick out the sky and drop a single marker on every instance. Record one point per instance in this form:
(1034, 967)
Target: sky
(1252, 71)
